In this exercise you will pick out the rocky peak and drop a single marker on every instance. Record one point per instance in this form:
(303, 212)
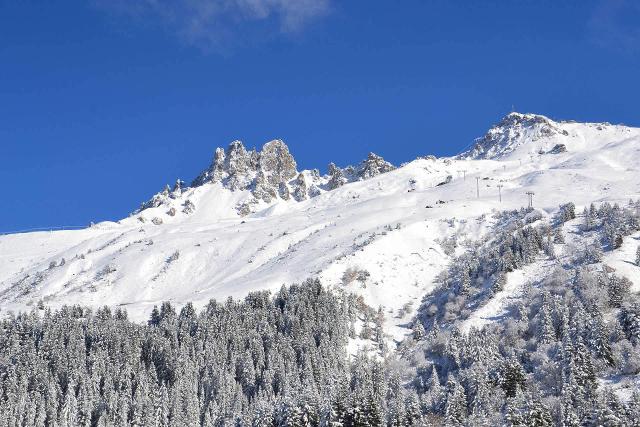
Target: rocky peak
(277, 163)
(266, 173)
(237, 168)
(514, 119)
(177, 188)
(238, 160)
(237, 164)
(215, 172)
(514, 130)
(373, 165)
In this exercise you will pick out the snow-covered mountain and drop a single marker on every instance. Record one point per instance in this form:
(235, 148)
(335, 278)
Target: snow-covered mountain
(523, 136)
(252, 220)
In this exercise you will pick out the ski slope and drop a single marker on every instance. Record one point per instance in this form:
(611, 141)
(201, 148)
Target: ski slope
(389, 225)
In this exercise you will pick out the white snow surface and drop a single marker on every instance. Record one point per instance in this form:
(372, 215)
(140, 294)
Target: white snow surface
(388, 225)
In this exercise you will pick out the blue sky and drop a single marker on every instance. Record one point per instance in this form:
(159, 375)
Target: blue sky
(103, 102)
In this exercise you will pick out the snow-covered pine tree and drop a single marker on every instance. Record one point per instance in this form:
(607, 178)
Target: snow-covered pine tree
(558, 237)
(513, 377)
(546, 331)
(455, 410)
(499, 283)
(630, 322)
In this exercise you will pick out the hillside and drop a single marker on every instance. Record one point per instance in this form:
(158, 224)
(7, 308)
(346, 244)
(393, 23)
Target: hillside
(426, 294)
(252, 221)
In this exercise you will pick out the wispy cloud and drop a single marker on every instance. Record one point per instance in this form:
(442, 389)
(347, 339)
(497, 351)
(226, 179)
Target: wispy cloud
(213, 24)
(616, 24)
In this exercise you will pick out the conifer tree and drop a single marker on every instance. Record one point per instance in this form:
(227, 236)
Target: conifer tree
(499, 283)
(513, 377)
(456, 404)
(418, 330)
(546, 331)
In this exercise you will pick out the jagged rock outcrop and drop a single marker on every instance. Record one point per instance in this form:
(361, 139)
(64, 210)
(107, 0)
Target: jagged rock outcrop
(266, 173)
(246, 207)
(277, 163)
(269, 174)
(262, 190)
(337, 178)
(558, 148)
(237, 164)
(178, 188)
(372, 166)
(188, 207)
(230, 166)
(283, 191)
(157, 200)
(215, 172)
(300, 188)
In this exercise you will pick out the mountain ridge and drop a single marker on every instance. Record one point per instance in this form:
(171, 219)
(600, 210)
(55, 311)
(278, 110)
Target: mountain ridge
(193, 243)
(270, 174)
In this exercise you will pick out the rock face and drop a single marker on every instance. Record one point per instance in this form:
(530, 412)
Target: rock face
(336, 177)
(277, 163)
(447, 180)
(558, 148)
(237, 164)
(300, 188)
(262, 190)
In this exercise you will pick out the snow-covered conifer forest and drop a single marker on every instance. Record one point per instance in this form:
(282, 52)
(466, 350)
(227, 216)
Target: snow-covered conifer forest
(497, 287)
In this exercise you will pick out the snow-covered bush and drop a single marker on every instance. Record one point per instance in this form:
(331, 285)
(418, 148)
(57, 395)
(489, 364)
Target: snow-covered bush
(352, 274)
(104, 271)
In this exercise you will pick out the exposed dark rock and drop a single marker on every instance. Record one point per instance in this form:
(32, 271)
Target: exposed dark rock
(446, 181)
(558, 148)
(300, 188)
